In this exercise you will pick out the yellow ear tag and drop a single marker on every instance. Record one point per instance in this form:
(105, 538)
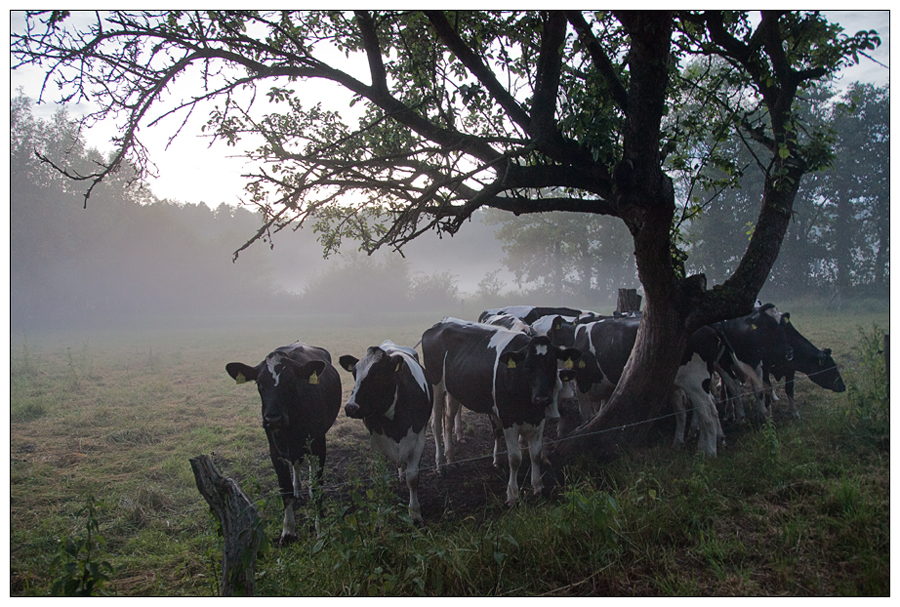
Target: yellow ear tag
(752, 326)
(240, 379)
(397, 370)
(314, 379)
(581, 364)
(511, 364)
(568, 364)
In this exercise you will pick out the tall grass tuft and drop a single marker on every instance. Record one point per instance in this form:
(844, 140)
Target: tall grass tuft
(867, 386)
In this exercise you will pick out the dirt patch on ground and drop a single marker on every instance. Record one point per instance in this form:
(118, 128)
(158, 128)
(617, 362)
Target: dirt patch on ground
(471, 487)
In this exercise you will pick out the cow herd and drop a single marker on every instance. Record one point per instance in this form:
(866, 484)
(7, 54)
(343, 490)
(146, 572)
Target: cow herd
(519, 365)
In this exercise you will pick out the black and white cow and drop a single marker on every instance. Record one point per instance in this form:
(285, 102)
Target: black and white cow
(508, 321)
(816, 364)
(758, 341)
(611, 340)
(529, 314)
(506, 374)
(301, 397)
(394, 400)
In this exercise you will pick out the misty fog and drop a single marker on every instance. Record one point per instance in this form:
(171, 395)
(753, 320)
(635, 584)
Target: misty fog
(130, 258)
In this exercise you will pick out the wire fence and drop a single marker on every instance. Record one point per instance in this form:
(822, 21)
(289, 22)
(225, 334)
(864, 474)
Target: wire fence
(557, 440)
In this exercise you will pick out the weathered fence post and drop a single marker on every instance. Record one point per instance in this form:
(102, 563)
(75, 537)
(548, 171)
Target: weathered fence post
(240, 522)
(629, 301)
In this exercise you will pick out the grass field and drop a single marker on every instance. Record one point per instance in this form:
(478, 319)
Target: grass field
(109, 419)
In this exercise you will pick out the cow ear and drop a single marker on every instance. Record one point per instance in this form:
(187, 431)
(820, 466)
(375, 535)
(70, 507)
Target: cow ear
(511, 358)
(242, 373)
(827, 351)
(347, 362)
(396, 362)
(786, 317)
(567, 375)
(311, 371)
(570, 355)
(557, 323)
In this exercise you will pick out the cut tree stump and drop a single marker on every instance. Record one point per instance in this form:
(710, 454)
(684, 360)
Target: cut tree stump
(241, 526)
(628, 301)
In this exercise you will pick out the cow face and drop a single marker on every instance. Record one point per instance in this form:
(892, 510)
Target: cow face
(281, 382)
(375, 386)
(536, 364)
(828, 375)
(587, 372)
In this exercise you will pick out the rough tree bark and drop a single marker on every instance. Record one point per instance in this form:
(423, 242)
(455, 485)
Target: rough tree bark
(240, 522)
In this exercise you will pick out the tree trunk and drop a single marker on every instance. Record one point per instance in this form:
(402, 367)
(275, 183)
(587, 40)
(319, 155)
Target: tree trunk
(241, 528)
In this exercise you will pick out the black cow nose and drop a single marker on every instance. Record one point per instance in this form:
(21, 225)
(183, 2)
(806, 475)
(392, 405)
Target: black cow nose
(542, 401)
(789, 354)
(351, 409)
(274, 420)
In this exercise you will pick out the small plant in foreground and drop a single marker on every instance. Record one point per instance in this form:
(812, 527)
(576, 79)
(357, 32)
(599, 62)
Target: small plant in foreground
(78, 567)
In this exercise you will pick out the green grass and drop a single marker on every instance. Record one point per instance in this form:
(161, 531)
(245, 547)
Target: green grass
(793, 508)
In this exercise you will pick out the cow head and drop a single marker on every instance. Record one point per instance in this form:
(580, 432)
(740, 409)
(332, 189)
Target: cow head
(561, 331)
(535, 364)
(281, 382)
(587, 372)
(828, 375)
(373, 393)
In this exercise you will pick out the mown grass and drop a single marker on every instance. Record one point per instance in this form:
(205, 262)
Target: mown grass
(793, 508)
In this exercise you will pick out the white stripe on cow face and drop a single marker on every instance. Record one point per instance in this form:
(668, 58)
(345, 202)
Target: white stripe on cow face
(271, 363)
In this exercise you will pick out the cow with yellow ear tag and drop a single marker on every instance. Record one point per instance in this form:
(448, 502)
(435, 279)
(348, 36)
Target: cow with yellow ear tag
(393, 399)
(505, 374)
(301, 396)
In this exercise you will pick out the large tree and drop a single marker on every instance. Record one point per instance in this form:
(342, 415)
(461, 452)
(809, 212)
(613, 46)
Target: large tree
(463, 110)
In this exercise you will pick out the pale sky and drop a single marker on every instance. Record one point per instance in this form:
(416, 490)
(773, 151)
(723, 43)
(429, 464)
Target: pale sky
(190, 171)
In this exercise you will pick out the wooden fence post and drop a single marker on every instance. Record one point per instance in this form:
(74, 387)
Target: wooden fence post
(241, 526)
(628, 301)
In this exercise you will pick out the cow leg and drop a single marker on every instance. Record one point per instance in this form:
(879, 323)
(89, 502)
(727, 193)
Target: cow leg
(453, 408)
(458, 427)
(514, 455)
(497, 428)
(789, 392)
(746, 375)
(535, 437)
(411, 453)
(284, 473)
(437, 422)
(733, 398)
(316, 470)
